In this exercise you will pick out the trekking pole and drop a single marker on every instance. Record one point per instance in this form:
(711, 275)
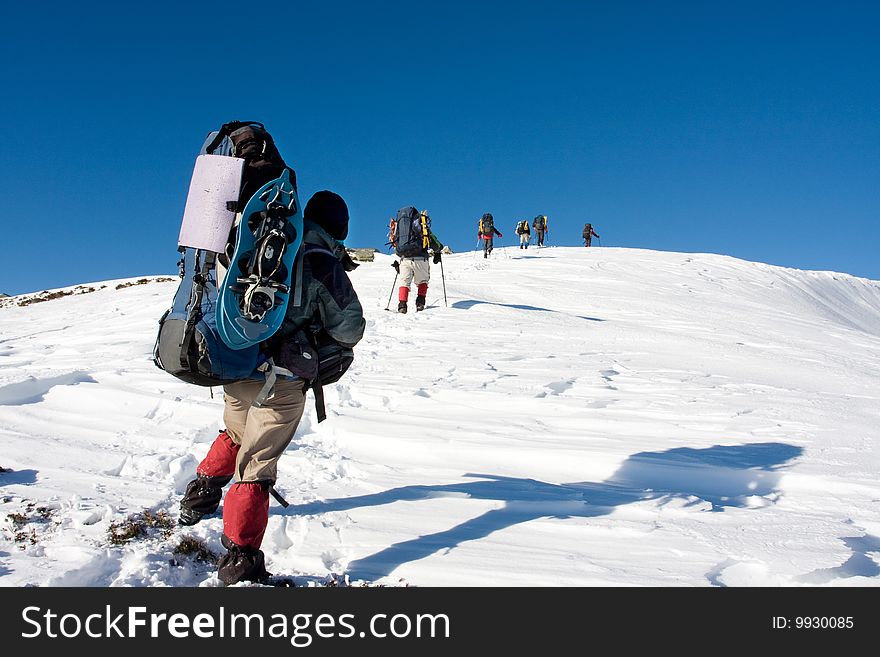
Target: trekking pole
(443, 278)
(393, 285)
(503, 250)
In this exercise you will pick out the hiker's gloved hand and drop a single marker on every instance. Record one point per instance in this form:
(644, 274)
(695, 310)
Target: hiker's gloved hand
(500, 234)
(396, 266)
(346, 261)
(436, 257)
(479, 236)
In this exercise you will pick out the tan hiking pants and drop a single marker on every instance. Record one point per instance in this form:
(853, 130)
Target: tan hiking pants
(263, 433)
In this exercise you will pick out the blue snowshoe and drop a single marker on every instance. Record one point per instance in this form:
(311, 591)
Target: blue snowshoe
(256, 289)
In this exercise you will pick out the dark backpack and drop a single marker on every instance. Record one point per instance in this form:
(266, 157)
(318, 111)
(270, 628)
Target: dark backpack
(411, 238)
(487, 225)
(588, 231)
(539, 222)
(522, 227)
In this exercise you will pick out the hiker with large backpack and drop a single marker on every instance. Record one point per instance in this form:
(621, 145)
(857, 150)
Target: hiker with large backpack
(486, 231)
(525, 235)
(264, 394)
(318, 333)
(414, 242)
(589, 234)
(541, 227)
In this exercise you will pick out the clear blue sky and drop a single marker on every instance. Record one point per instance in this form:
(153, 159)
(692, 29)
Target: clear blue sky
(744, 128)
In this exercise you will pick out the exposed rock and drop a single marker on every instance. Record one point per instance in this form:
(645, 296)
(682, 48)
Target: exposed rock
(362, 255)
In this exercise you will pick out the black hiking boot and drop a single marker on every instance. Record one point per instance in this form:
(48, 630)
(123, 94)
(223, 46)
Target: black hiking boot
(241, 564)
(485, 254)
(420, 303)
(202, 497)
(401, 307)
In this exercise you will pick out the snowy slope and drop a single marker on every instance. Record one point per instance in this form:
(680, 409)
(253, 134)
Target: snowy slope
(575, 417)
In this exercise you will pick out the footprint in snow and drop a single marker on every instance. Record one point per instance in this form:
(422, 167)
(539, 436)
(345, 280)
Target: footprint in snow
(559, 387)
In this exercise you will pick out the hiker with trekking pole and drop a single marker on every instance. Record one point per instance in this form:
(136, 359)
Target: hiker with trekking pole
(414, 243)
(525, 235)
(487, 232)
(541, 227)
(589, 234)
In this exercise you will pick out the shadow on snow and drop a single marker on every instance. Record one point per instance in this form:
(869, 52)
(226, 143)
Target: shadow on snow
(859, 564)
(20, 477)
(470, 303)
(725, 476)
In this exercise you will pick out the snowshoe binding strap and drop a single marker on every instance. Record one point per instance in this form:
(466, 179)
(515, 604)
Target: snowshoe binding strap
(260, 297)
(265, 271)
(275, 197)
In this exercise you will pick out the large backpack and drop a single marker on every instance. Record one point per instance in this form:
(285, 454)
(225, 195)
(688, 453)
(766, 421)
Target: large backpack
(588, 231)
(411, 232)
(522, 227)
(188, 344)
(487, 225)
(540, 222)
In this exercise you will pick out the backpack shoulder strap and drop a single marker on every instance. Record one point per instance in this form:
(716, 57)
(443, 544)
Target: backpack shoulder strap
(316, 385)
(424, 222)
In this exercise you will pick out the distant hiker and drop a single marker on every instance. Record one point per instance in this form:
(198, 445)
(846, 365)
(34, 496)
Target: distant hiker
(541, 227)
(313, 344)
(412, 239)
(525, 235)
(589, 234)
(486, 231)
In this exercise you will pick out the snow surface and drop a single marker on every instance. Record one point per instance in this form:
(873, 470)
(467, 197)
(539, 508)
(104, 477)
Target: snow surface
(575, 417)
